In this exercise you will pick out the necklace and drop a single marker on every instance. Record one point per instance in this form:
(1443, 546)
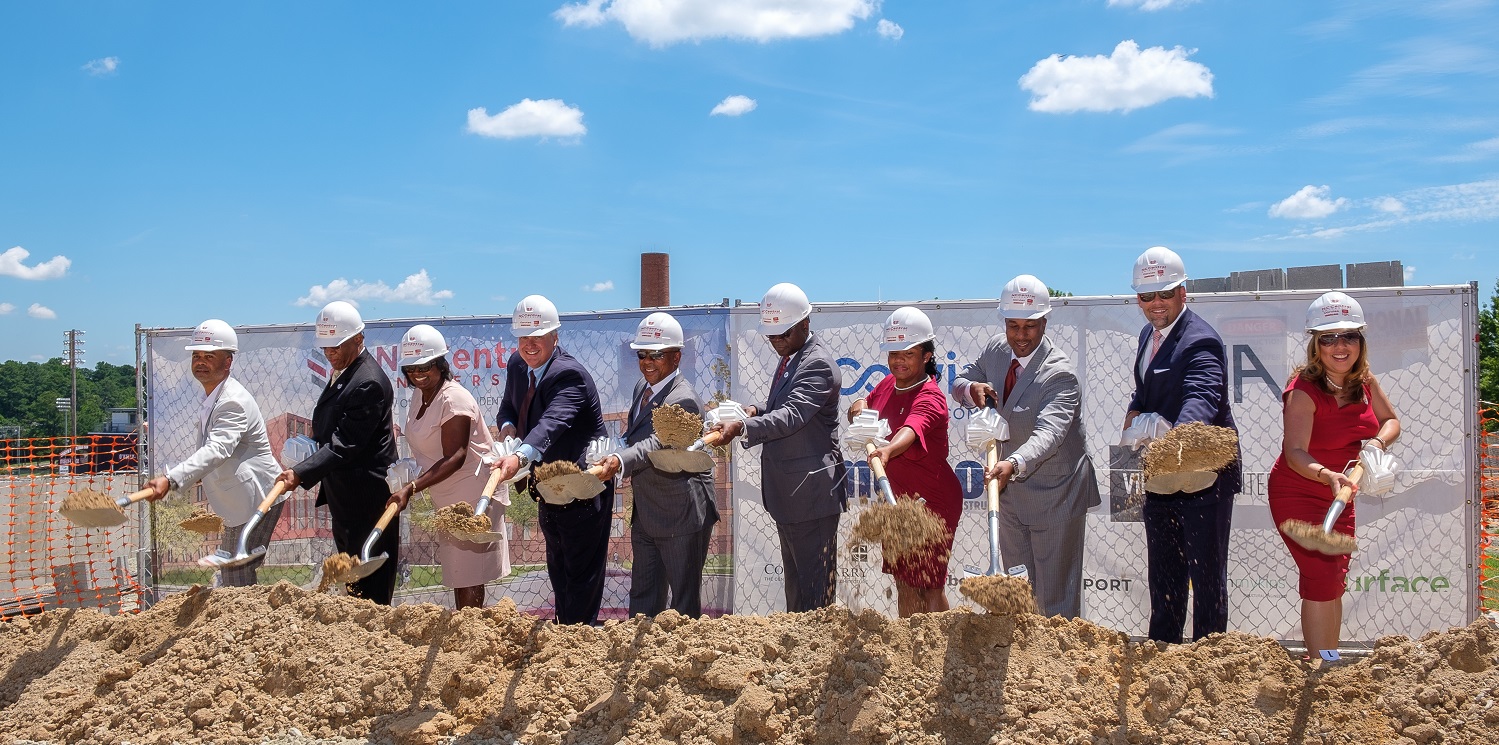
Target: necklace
(924, 379)
(1335, 386)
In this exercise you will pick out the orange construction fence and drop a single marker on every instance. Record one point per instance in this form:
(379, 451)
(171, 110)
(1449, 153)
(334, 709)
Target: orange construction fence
(46, 562)
(1488, 520)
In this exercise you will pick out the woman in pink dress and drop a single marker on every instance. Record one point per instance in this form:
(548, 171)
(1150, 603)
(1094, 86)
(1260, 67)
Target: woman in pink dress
(1333, 405)
(911, 399)
(446, 432)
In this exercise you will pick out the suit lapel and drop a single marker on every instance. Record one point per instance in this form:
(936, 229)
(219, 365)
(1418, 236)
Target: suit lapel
(1027, 373)
(635, 420)
(776, 386)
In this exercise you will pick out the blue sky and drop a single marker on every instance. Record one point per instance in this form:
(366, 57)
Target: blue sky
(162, 163)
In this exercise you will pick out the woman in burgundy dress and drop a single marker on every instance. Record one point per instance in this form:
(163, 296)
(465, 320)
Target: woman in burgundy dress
(911, 399)
(1333, 405)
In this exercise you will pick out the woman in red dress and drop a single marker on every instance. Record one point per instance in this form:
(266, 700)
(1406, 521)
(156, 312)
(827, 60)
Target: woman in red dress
(916, 457)
(1333, 405)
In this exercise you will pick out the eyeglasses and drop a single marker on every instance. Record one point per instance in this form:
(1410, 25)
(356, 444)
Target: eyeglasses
(1149, 297)
(650, 354)
(1352, 337)
(418, 368)
(783, 336)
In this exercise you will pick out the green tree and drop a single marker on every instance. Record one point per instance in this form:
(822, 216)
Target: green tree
(29, 393)
(1488, 351)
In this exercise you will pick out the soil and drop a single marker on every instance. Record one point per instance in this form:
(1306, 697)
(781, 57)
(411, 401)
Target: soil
(278, 664)
(337, 569)
(675, 426)
(1311, 537)
(1193, 446)
(460, 518)
(202, 521)
(87, 499)
(902, 529)
(999, 594)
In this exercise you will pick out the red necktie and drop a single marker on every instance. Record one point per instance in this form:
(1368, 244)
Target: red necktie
(524, 415)
(1155, 343)
(645, 402)
(1010, 379)
(781, 370)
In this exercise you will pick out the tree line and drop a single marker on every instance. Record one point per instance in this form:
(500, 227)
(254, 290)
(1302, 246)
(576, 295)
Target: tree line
(29, 393)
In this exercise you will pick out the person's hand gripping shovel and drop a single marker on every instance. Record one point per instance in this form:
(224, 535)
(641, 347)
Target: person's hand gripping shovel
(296, 450)
(91, 509)
(684, 451)
(561, 482)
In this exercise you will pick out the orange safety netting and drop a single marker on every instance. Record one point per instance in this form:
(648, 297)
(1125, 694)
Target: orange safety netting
(46, 562)
(1488, 521)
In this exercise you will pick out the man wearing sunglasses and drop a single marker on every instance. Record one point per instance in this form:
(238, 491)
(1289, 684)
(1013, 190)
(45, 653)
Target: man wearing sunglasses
(802, 475)
(1181, 374)
(673, 513)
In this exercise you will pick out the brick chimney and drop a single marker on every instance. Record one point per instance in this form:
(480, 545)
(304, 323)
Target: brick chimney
(655, 280)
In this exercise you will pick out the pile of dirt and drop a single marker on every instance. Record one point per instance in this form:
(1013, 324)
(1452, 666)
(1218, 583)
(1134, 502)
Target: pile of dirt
(675, 426)
(202, 521)
(1000, 594)
(460, 518)
(253, 664)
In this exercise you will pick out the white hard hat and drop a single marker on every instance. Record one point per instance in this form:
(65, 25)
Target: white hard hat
(1159, 268)
(658, 331)
(534, 316)
(1334, 311)
(1024, 298)
(421, 345)
(906, 328)
(783, 306)
(213, 335)
(337, 323)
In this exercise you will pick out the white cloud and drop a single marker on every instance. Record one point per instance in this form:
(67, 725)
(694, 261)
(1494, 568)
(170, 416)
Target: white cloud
(889, 30)
(604, 286)
(1308, 204)
(734, 106)
(549, 117)
(11, 265)
(1151, 4)
(415, 290)
(1389, 204)
(37, 310)
(1475, 201)
(1410, 273)
(6, 308)
(1481, 150)
(102, 67)
(664, 22)
(1126, 80)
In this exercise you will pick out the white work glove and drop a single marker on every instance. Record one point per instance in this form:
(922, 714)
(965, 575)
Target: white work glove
(1379, 470)
(985, 426)
(866, 427)
(296, 450)
(498, 451)
(1145, 428)
(726, 412)
(598, 449)
(401, 473)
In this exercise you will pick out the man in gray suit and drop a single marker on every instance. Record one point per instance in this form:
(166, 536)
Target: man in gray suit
(802, 476)
(233, 461)
(1046, 477)
(674, 513)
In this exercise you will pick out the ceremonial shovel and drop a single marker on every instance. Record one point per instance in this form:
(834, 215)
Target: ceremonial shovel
(986, 430)
(1325, 540)
(296, 450)
(98, 516)
(866, 430)
(483, 536)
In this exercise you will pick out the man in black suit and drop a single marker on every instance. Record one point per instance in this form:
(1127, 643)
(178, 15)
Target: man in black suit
(1181, 374)
(551, 404)
(353, 429)
(673, 516)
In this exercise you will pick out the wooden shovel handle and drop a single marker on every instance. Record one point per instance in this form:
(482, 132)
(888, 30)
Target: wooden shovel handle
(991, 486)
(596, 472)
(492, 484)
(391, 510)
(712, 438)
(270, 499)
(1354, 474)
(138, 496)
(876, 465)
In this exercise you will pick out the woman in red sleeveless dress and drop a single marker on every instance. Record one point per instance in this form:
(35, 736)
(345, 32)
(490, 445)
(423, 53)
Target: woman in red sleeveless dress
(1333, 405)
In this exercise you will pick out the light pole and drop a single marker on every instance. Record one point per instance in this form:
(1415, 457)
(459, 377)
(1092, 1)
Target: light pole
(72, 357)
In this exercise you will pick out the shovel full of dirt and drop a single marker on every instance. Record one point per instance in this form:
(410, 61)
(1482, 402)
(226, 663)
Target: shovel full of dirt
(471, 523)
(343, 568)
(1001, 594)
(296, 450)
(91, 509)
(202, 521)
(985, 431)
(1322, 538)
(561, 482)
(902, 527)
(1188, 458)
(679, 431)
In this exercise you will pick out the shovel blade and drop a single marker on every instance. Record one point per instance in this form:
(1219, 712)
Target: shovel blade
(488, 536)
(215, 559)
(971, 571)
(569, 488)
(682, 461)
(366, 568)
(97, 518)
(239, 560)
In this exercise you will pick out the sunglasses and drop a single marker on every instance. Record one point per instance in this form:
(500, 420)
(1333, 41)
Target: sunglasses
(650, 354)
(418, 368)
(1147, 297)
(1352, 337)
(783, 336)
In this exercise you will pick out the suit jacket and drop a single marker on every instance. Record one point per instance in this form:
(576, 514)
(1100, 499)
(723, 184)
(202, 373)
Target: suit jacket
(352, 426)
(565, 414)
(802, 473)
(1046, 433)
(233, 460)
(666, 504)
(1187, 381)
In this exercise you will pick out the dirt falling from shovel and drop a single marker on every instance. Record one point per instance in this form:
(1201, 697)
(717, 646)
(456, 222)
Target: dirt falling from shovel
(460, 518)
(1310, 537)
(202, 521)
(900, 529)
(549, 471)
(338, 569)
(999, 594)
(87, 499)
(1193, 446)
(677, 427)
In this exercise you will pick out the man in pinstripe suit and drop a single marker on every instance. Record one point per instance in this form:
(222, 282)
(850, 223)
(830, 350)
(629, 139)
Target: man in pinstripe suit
(674, 513)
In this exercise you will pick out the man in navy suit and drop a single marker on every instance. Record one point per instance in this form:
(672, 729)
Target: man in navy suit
(551, 404)
(1181, 374)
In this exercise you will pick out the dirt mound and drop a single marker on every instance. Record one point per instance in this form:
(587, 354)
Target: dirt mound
(252, 664)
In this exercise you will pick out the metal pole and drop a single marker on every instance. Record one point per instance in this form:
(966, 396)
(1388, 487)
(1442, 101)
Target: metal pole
(73, 363)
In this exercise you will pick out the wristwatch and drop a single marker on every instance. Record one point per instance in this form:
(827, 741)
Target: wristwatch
(524, 461)
(1019, 471)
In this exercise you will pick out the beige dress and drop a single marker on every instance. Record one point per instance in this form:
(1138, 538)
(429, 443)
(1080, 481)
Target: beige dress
(464, 564)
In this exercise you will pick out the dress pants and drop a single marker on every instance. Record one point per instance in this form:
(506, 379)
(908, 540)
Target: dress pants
(577, 537)
(672, 563)
(1187, 542)
(349, 534)
(810, 560)
(260, 537)
(1053, 557)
